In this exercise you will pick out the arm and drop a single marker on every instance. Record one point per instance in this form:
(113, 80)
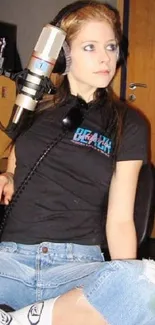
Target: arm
(11, 161)
(120, 228)
(6, 179)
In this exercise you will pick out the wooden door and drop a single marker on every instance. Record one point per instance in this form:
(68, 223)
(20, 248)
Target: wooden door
(141, 61)
(140, 66)
(7, 100)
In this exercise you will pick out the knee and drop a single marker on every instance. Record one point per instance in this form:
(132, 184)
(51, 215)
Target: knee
(134, 269)
(124, 273)
(138, 269)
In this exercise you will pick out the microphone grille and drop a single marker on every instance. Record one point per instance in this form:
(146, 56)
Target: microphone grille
(50, 41)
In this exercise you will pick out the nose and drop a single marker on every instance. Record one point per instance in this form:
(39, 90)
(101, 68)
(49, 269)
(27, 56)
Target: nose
(104, 56)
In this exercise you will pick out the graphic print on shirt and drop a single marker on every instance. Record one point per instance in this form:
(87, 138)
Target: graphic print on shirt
(95, 140)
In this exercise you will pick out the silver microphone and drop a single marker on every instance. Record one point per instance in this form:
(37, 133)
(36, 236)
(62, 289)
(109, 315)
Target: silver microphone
(40, 65)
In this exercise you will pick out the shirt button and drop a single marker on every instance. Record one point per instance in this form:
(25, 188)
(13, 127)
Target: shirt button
(44, 250)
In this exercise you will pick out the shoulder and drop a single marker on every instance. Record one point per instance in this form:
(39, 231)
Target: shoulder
(135, 119)
(134, 142)
(132, 116)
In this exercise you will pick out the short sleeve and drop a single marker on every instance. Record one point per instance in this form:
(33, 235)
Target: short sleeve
(134, 144)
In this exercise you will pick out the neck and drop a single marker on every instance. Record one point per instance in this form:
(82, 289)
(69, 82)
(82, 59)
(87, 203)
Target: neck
(83, 90)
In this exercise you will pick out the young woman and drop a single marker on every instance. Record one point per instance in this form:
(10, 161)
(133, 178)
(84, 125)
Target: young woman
(51, 245)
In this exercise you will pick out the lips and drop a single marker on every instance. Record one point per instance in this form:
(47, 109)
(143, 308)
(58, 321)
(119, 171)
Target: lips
(102, 72)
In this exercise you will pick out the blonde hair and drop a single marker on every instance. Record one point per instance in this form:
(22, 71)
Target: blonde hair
(72, 23)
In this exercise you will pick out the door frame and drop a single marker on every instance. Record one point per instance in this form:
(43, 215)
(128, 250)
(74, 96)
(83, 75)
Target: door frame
(117, 80)
(119, 83)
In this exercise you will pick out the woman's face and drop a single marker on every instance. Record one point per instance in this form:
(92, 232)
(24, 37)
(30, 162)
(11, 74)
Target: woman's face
(93, 55)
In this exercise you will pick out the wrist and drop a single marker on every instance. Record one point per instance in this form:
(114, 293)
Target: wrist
(9, 176)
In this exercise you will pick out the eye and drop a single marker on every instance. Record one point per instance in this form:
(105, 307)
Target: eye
(89, 47)
(112, 47)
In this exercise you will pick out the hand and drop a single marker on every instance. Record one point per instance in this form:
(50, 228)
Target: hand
(6, 188)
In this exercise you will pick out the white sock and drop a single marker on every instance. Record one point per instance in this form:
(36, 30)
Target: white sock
(39, 313)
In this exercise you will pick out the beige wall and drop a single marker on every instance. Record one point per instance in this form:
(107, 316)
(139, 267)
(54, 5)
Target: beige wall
(30, 16)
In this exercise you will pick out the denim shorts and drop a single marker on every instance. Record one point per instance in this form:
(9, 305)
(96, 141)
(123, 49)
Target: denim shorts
(122, 291)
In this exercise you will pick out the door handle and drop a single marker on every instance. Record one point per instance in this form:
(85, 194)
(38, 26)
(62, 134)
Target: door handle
(134, 85)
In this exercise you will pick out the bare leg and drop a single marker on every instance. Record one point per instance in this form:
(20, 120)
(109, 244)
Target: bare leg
(73, 309)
